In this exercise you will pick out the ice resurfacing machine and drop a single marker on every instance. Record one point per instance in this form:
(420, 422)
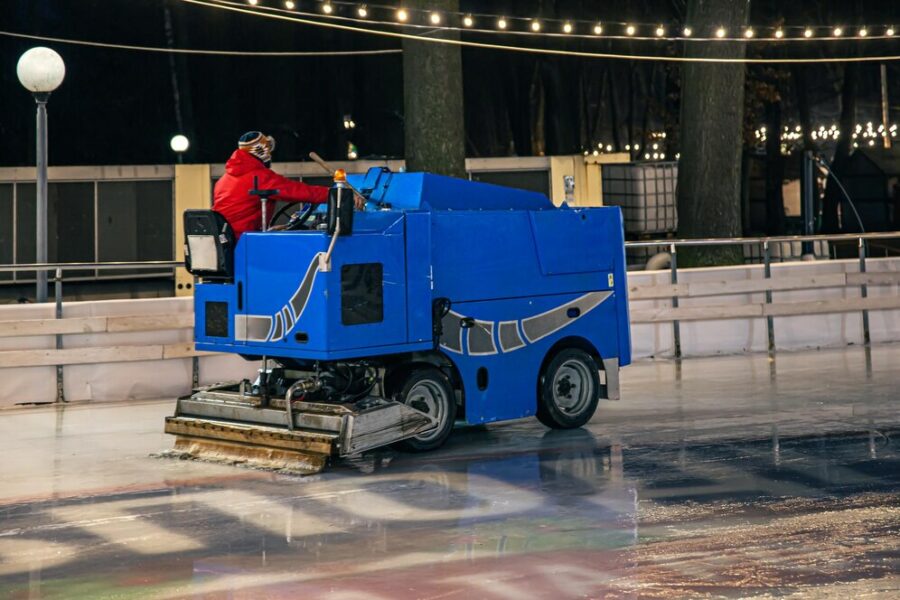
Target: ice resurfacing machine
(445, 300)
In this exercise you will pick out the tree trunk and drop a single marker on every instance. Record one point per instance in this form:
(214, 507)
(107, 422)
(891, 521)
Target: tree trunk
(774, 170)
(712, 102)
(801, 89)
(433, 100)
(833, 195)
(537, 102)
(613, 111)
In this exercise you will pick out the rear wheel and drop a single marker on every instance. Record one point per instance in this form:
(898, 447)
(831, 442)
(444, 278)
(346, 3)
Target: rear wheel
(429, 391)
(569, 389)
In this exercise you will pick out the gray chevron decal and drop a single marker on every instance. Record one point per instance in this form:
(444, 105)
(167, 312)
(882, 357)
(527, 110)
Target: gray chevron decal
(264, 328)
(480, 337)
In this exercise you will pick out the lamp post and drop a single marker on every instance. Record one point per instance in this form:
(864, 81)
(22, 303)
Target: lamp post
(41, 70)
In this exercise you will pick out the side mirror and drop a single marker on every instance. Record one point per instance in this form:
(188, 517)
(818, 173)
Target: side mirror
(340, 210)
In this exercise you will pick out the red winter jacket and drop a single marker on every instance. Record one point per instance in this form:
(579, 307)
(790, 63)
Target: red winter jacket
(243, 211)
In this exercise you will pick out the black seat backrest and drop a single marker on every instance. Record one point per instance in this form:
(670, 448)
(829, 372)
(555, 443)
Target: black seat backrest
(208, 245)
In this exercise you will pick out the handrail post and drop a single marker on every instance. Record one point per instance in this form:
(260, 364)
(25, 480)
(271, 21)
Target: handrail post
(864, 291)
(57, 292)
(676, 326)
(770, 321)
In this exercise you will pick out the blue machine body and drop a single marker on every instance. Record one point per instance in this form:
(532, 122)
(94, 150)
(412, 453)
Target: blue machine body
(520, 276)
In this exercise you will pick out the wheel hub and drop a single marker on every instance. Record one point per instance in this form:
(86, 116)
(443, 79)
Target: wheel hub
(572, 387)
(564, 387)
(428, 397)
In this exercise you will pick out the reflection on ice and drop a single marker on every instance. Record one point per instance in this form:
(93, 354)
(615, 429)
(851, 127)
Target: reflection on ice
(680, 483)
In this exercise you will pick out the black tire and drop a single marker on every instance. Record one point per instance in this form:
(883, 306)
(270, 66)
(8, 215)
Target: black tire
(568, 390)
(428, 390)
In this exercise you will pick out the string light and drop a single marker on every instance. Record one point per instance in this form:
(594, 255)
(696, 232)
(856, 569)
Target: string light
(791, 137)
(639, 31)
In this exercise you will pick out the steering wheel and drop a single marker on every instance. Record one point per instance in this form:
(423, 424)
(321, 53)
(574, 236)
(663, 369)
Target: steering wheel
(280, 212)
(300, 221)
(293, 224)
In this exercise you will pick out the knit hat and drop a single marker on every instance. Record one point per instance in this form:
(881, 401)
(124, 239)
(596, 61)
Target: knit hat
(259, 145)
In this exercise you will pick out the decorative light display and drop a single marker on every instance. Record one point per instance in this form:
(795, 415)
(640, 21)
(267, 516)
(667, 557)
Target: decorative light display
(551, 27)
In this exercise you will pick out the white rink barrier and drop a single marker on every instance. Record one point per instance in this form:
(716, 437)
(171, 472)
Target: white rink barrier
(111, 350)
(724, 310)
(141, 349)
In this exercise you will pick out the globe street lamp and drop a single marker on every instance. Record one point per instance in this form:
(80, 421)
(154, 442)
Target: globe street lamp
(41, 70)
(179, 145)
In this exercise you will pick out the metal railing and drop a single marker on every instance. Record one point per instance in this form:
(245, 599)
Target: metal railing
(59, 268)
(766, 243)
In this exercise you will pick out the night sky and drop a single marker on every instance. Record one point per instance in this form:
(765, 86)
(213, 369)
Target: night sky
(120, 107)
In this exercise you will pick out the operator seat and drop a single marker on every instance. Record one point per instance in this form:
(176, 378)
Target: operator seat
(208, 245)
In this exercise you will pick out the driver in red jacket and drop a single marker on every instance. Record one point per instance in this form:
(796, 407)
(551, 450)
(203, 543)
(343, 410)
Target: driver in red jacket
(231, 197)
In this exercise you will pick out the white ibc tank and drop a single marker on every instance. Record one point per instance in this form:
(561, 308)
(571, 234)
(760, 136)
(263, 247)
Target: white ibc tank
(646, 193)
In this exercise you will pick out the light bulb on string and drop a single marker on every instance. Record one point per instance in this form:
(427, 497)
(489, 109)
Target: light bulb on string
(252, 2)
(660, 30)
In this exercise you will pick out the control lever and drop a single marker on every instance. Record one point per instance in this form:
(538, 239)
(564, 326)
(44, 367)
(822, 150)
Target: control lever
(331, 170)
(263, 196)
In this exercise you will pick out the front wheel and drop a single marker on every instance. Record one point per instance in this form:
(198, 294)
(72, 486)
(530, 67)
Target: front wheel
(569, 389)
(429, 391)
